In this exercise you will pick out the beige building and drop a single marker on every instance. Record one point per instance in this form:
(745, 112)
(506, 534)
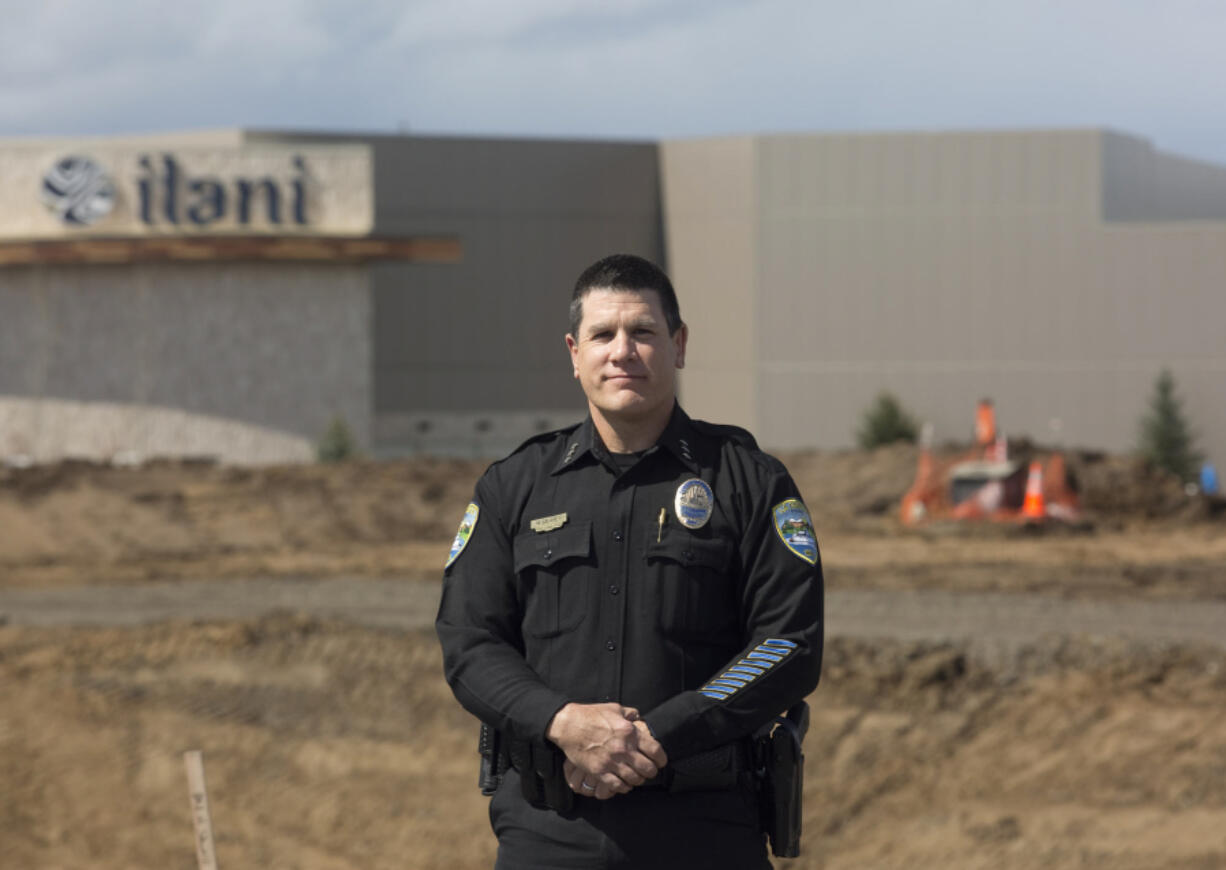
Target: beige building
(229, 293)
(1054, 271)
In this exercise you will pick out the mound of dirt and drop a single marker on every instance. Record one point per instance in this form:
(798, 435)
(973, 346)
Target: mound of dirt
(328, 745)
(333, 745)
(1127, 488)
(78, 522)
(75, 523)
(842, 488)
(846, 487)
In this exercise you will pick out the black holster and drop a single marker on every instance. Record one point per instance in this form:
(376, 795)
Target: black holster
(780, 768)
(539, 765)
(719, 769)
(541, 779)
(494, 759)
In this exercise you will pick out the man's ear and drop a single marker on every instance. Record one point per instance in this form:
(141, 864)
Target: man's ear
(680, 337)
(573, 347)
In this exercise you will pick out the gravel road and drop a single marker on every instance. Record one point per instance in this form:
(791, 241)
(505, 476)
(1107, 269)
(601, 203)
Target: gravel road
(1011, 620)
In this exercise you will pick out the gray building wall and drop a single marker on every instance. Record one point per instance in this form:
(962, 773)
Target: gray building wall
(470, 357)
(282, 347)
(1143, 184)
(945, 267)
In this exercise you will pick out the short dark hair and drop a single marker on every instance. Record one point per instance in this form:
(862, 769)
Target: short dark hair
(625, 272)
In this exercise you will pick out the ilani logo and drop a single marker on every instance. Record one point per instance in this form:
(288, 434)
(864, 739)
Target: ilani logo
(166, 193)
(78, 191)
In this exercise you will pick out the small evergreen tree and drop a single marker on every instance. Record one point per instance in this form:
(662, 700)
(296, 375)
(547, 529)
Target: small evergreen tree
(337, 443)
(885, 422)
(1166, 439)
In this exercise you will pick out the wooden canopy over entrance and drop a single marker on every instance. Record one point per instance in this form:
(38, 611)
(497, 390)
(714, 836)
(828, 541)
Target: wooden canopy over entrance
(216, 249)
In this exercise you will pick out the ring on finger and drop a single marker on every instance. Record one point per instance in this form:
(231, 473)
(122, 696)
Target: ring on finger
(583, 785)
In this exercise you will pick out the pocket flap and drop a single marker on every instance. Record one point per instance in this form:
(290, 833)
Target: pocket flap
(691, 551)
(547, 549)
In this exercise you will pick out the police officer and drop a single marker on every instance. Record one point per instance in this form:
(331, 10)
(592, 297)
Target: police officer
(634, 595)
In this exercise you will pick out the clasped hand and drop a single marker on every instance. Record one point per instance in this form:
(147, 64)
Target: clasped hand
(609, 749)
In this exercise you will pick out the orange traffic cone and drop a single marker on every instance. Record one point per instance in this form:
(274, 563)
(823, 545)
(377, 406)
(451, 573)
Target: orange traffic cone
(1033, 507)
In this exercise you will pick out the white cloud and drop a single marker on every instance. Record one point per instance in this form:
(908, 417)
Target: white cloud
(637, 68)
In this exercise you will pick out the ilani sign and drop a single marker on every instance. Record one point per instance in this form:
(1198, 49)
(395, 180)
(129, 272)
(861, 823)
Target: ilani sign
(166, 193)
(81, 193)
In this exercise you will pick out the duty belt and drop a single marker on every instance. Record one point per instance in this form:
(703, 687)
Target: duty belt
(540, 768)
(719, 769)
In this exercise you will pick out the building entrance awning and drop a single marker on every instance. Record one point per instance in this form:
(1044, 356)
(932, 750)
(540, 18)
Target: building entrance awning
(324, 249)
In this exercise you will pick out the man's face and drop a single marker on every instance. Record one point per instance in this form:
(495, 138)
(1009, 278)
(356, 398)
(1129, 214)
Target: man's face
(623, 356)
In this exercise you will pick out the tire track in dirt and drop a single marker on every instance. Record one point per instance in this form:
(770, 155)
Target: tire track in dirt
(1009, 620)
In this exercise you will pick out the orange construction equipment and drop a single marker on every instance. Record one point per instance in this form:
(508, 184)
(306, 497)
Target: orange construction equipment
(1033, 506)
(984, 484)
(985, 424)
(926, 491)
(999, 451)
(1062, 501)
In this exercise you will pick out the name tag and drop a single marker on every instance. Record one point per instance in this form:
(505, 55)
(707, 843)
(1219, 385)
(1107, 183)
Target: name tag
(548, 524)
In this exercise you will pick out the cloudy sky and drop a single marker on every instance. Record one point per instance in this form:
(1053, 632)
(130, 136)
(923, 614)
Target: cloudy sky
(623, 68)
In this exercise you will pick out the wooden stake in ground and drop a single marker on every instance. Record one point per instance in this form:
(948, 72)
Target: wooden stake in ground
(206, 854)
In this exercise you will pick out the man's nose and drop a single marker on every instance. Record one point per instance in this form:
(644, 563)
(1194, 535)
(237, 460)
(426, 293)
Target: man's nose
(623, 346)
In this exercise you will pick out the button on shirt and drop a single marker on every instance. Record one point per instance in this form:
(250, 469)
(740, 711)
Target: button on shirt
(710, 631)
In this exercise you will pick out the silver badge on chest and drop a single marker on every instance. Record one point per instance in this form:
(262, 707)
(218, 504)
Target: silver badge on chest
(694, 503)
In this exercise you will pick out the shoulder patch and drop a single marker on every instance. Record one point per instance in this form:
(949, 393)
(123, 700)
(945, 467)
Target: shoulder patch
(465, 532)
(795, 528)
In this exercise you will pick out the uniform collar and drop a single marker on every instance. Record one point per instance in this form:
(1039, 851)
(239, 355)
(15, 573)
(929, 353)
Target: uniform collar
(678, 438)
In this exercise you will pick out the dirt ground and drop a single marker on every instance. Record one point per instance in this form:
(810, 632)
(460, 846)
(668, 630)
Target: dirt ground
(330, 740)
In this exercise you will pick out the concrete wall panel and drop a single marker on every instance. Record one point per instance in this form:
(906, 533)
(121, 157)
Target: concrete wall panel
(279, 346)
(709, 194)
(1141, 183)
(43, 430)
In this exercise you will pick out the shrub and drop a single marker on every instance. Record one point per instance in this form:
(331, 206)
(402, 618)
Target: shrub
(1166, 439)
(885, 422)
(337, 443)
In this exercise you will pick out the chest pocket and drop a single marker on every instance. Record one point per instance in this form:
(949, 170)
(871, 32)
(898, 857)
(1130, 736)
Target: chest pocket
(554, 570)
(693, 580)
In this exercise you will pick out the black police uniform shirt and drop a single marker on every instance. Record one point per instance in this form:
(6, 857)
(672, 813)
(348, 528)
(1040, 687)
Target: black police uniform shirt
(572, 580)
